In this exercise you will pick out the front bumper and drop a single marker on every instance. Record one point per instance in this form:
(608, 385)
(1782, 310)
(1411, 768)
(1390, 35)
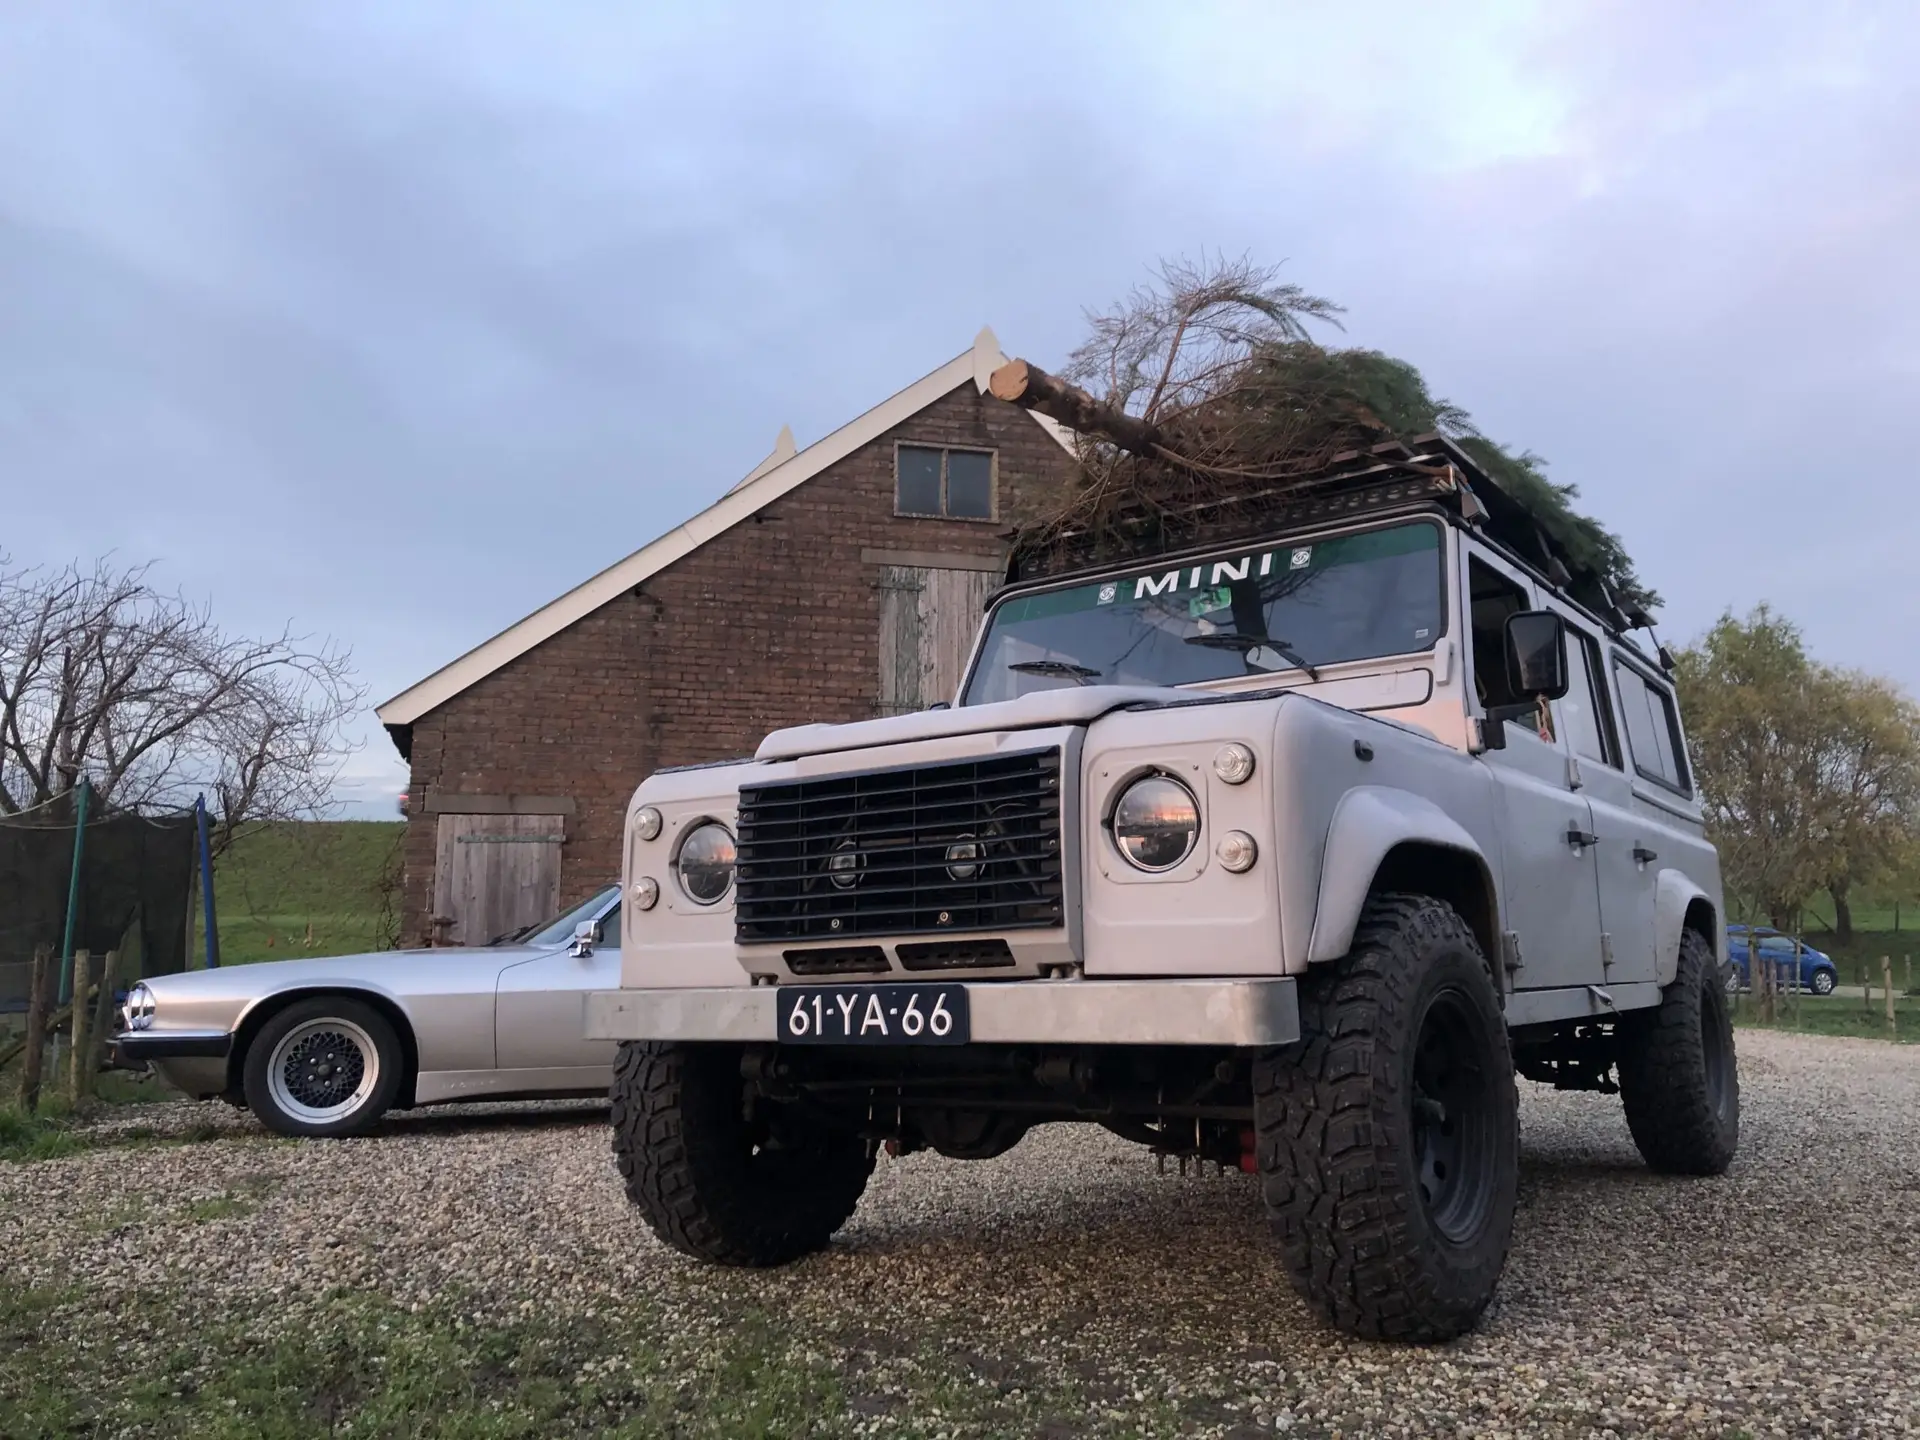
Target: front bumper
(193, 1061)
(1236, 1013)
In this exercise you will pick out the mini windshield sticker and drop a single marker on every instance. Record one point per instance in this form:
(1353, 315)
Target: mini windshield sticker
(1422, 633)
(1289, 566)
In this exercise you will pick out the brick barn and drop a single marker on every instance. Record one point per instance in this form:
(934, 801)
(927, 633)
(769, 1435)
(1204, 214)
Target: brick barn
(832, 583)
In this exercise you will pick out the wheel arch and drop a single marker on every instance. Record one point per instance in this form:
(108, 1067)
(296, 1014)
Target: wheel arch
(255, 1020)
(1680, 904)
(1383, 839)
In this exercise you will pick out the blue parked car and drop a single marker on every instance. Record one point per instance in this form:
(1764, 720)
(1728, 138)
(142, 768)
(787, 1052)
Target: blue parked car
(1815, 971)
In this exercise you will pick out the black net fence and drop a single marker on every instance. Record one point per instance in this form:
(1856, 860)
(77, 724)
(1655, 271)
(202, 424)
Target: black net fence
(136, 887)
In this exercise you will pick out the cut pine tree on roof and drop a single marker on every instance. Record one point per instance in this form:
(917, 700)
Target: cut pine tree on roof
(1216, 396)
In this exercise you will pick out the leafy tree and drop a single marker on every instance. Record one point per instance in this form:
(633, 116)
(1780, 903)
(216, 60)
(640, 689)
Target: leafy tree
(1870, 767)
(1810, 775)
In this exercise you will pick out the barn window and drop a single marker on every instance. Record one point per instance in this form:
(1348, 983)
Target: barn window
(955, 484)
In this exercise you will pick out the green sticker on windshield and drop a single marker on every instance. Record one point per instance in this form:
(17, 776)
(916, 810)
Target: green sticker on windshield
(1205, 602)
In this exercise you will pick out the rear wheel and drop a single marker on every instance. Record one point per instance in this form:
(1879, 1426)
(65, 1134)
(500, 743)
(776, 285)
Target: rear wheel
(1388, 1139)
(329, 1066)
(716, 1181)
(1679, 1079)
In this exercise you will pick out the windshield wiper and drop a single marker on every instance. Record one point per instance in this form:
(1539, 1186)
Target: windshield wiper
(1233, 640)
(1059, 669)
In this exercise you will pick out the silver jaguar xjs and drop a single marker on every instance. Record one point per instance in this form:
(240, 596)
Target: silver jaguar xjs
(328, 1046)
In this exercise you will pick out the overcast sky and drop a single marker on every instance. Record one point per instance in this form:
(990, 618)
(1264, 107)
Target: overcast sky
(398, 320)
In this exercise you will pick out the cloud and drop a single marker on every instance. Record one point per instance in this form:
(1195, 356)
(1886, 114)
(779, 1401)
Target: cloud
(402, 320)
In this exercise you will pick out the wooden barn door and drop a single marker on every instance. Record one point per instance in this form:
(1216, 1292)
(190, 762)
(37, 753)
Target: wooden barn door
(494, 874)
(927, 623)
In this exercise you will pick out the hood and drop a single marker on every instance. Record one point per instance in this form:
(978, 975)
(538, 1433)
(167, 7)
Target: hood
(1068, 705)
(373, 965)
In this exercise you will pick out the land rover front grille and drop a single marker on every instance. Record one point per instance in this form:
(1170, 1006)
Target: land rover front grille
(934, 849)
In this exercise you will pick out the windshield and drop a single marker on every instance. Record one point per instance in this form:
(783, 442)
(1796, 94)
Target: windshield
(1294, 606)
(560, 929)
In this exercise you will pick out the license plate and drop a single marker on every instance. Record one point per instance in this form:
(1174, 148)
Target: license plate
(926, 1014)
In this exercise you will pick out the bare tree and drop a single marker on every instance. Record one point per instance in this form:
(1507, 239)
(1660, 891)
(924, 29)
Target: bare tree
(143, 694)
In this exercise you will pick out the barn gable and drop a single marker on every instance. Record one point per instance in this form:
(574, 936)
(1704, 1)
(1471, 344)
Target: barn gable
(818, 589)
(779, 473)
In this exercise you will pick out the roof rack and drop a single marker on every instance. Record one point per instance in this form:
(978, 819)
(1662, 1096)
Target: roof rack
(1425, 471)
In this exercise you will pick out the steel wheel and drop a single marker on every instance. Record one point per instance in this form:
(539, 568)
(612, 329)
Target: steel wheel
(323, 1070)
(1455, 1112)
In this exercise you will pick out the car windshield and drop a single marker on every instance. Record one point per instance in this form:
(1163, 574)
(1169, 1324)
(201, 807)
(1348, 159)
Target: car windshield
(1297, 605)
(560, 929)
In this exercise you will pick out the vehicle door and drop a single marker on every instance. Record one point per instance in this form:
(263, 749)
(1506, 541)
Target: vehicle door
(540, 1017)
(1624, 849)
(1549, 874)
(1659, 780)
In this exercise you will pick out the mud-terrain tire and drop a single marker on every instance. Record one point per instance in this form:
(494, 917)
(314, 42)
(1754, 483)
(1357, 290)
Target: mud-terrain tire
(1679, 1079)
(713, 1185)
(324, 1068)
(1388, 1139)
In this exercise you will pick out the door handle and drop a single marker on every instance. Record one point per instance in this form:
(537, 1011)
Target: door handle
(1578, 838)
(1644, 856)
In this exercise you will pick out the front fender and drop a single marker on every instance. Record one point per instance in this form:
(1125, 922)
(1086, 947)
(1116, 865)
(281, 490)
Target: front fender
(1675, 892)
(1368, 822)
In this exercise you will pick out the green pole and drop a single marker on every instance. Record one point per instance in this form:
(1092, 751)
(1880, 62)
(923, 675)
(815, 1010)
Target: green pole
(73, 892)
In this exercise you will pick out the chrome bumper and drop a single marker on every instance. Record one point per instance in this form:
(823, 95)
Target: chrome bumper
(1004, 1012)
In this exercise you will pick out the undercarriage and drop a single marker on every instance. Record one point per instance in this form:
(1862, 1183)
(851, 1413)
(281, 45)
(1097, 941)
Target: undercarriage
(976, 1102)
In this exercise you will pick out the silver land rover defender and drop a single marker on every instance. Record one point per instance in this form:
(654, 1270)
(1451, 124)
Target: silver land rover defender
(1284, 852)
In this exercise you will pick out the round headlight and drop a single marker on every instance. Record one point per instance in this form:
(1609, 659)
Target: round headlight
(705, 862)
(1157, 823)
(139, 1008)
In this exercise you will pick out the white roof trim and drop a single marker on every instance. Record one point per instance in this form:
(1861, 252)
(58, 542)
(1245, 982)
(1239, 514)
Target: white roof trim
(783, 451)
(767, 482)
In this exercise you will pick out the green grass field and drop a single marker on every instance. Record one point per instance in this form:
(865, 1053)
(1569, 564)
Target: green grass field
(1837, 1015)
(303, 889)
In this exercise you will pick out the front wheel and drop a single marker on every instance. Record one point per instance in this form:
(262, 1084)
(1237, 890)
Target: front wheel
(1388, 1138)
(1823, 982)
(717, 1180)
(1678, 1077)
(325, 1067)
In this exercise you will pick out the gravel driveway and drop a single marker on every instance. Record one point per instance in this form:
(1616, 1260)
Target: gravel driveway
(1064, 1289)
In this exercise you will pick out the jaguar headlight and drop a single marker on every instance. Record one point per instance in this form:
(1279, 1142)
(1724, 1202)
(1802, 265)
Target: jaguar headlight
(1156, 824)
(139, 1008)
(704, 864)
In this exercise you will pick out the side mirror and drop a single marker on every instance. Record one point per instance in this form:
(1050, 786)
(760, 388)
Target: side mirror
(1537, 654)
(585, 934)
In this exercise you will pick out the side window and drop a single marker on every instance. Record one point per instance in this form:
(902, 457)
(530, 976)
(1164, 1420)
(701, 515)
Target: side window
(1653, 729)
(610, 929)
(1491, 598)
(1584, 712)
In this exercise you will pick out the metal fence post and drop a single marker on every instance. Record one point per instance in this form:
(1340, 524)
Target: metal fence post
(206, 883)
(73, 888)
